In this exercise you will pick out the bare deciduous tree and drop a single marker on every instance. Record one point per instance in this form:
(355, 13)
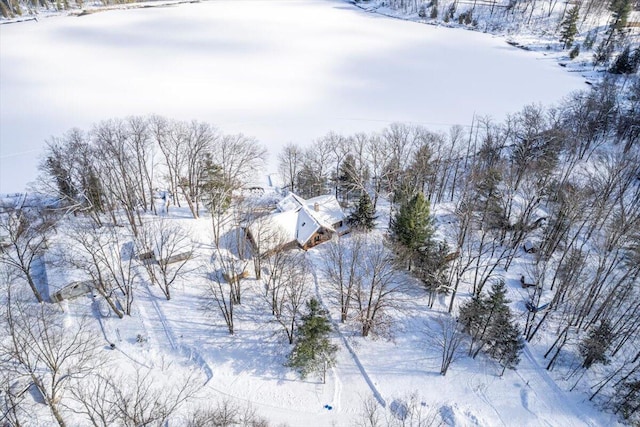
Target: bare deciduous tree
(447, 338)
(107, 256)
(145, 398)
(45, 349)
(227, 414)
(290, 291)
(342, 259)
(24, 239)
(173, 250)
(378, 290)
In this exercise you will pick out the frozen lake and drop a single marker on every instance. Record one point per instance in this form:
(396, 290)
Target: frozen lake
(282, 71)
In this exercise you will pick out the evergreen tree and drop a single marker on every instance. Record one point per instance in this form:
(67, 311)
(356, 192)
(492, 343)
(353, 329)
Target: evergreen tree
(412, 226)
(573, 53)
(505, 341)
(626, 62)
(594, 347)
(503, 337)
(347, 177)
(310, 184)
(313, 352)
(430, 267)
(620, 13)
(627, 400)
(569, 27)
(53, 167)
(603, 53)
(489, 322)
(488, 198)
(363, 218)
(474, 320)
(95, 193)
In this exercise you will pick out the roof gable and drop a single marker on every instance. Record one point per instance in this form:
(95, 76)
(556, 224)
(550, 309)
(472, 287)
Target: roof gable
(306, 226)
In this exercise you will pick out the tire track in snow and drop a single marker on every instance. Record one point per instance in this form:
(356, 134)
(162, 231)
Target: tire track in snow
(337, 391)
(480, 390)
(354, 356)
(186, 351)
(162, 318)
(559, 394)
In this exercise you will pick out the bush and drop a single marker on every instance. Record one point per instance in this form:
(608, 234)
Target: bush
(573, 53)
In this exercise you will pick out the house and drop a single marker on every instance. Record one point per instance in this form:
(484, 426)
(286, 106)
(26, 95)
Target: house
(297, 222)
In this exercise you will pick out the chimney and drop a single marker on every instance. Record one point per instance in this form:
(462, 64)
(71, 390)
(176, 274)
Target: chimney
(316, 207)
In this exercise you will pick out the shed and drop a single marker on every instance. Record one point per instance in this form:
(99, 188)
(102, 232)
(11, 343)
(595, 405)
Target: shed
(73, 290)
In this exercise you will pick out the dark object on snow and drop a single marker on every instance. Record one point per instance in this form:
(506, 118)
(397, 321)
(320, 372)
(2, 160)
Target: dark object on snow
(526, 283)
(147, 258)
(113, 346)
(529, 247)
(533, 309)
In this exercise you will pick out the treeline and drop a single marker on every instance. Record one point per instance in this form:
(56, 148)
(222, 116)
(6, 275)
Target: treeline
(17, 8)
(596, 31)
(120, 164)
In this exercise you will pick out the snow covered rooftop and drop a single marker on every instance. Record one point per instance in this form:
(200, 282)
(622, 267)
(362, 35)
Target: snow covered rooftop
(296, 219)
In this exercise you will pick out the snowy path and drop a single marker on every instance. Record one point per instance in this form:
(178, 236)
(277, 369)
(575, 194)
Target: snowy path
(155, 322)
(348, 370)
(560, 406)
(160, 331)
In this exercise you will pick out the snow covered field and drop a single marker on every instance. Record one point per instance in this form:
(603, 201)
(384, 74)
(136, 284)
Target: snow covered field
(282, 71)
(182, 338)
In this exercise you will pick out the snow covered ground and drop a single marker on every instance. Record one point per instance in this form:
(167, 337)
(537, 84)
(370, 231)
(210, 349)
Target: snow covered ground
(184, 337)
(282, 71)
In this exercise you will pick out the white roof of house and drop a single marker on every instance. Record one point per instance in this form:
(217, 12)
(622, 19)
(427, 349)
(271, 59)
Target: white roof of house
(329, 210)
(290, 203)
(296, 219)
(274, 230)
(306, 226)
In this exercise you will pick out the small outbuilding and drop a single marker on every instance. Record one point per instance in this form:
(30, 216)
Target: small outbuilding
(73, 290)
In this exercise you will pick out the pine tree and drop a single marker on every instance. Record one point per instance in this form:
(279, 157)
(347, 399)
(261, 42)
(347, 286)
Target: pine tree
(474, 320)
(347, 180)
(430, 267)
(573, 53)
(363, 218)
(412, 226)
(627, 400)
(603, 53)
(620, 13)
(570, 27)
(626, 62)
(594, 347)
(505, 341)
(313, 352)
(489, 322)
